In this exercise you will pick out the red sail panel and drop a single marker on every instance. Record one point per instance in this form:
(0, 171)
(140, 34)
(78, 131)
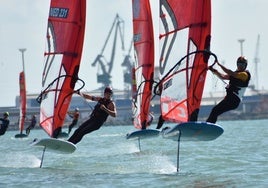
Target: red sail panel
(65, 36)
(185, 27)
(22, 101)
(144, 65)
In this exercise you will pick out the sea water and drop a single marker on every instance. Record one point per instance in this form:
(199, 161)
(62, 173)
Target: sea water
(104, 158)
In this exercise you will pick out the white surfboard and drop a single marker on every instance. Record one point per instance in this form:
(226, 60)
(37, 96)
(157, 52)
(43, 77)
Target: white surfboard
(142, 134)
(56, 145)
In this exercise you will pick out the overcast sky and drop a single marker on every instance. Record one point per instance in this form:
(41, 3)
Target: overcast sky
(23, 25)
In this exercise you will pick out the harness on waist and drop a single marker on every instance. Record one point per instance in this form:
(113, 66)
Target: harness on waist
(238, 86)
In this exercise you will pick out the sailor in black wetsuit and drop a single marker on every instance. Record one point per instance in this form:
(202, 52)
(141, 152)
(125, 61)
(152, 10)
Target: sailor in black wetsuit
(32, 125)
(239, 80)
(102, 110)
(4, 123)
(75, 115)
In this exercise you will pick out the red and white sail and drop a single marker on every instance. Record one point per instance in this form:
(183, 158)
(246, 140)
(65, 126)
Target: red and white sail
(65, 36)
(143, 71)
(22, 85)
(185, 27)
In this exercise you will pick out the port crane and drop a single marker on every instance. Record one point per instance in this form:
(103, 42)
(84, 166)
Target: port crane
(128, 63)
(105, 66)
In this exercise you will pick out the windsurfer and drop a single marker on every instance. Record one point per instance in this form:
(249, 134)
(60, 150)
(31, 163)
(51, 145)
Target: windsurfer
(75, 116)
(102, 110)
(32, 124)
(5, 123)
(239, 80)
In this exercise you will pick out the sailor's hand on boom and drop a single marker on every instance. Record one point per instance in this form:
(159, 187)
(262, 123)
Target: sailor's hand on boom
(217, 73)
(77, 92)
(212, 69)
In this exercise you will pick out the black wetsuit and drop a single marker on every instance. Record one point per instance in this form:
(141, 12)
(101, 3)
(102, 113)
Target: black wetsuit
(31, 126)
(4, 125)
(96, 120)
(231, 100)
(74, 122)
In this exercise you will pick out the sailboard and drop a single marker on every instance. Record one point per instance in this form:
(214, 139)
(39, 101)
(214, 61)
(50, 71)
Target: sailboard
(142, 134)
(184, 34)
(143, 69)
(22, 118)
(55, 145)
(65, 37)
(193, 131)
(185, 29)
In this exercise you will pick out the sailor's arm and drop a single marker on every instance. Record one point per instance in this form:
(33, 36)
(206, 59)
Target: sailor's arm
(87, 96)
(217, 73)
(227, 71)
(111, 109)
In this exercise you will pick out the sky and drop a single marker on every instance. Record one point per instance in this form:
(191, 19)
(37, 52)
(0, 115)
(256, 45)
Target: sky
(24, 22)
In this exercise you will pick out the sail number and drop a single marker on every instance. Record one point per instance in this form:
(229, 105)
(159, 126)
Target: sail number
(58, 12)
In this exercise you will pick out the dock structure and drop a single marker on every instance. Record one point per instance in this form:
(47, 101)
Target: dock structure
(253, 106)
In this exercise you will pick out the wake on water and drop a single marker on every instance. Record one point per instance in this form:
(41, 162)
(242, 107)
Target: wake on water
(119, 152)
(20, 160)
